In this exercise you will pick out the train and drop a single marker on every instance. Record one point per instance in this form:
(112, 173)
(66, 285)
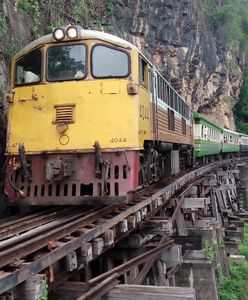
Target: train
(91, 120)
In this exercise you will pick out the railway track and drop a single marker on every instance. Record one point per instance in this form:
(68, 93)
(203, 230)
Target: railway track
(19, 224)
(25, 238)
(55, 233)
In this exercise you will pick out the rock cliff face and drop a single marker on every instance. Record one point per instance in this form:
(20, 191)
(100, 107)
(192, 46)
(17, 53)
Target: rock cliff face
(187, 50)
(175, 35)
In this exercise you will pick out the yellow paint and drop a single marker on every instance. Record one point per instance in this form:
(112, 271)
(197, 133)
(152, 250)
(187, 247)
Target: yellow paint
(104, 112)
(110, 87)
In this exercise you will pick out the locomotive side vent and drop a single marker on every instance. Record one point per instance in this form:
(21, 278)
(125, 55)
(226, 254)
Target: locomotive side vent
(64, 114)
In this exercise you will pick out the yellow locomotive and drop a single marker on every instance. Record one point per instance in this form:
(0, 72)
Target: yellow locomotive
(90, 118)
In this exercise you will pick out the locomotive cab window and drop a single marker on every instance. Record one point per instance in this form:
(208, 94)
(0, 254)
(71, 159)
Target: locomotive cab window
(66, 62)
(143, 73)
(28, 68)
(150, 80)
(109, 62)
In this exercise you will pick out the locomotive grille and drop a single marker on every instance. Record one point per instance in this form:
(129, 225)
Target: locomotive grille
(64, 114)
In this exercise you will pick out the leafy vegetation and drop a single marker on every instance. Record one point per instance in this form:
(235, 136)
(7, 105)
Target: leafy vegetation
(110, 7)
(32, 7)
(81, 11)
(2, 26)
(89, 13)
(241, 108)
(11, 49)
(230, 18)
(44, 288)
(209, 251)
(235, 287)
(243, 248)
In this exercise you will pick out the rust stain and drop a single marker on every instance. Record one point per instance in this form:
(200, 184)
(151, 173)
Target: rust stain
(38, 107)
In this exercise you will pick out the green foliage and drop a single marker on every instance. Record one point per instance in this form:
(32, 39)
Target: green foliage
(50, 27)
(2, 26)
(91, 14)
(11, 49)
(209, 251)
(241, 108)
(109, 28)
(2, 93)
(44, 287)
(235, 287)
(80, 11)
(205, 6)
(220, 241)
(32, 7)
(24, 5)
(243, 248)
(231, 18)
(232, 66)
(110, 7)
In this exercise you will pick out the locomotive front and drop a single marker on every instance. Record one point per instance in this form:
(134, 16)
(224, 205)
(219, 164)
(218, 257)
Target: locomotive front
(72, 124)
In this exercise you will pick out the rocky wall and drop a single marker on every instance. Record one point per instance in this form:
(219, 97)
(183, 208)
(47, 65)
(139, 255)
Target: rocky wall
(176, 36)
(187, 49)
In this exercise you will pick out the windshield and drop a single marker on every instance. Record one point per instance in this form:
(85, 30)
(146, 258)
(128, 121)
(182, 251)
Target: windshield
(28, 68)
(109, 62)
(66, 63)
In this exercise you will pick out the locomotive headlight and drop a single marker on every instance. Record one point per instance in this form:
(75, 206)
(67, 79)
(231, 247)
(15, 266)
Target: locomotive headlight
(72, 32)
(58, 34)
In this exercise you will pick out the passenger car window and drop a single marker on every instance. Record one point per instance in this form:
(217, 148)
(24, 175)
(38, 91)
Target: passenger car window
(66, 62)
(109, 62)
(28, 68)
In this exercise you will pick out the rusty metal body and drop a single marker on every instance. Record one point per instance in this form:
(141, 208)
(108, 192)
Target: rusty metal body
(51, 184)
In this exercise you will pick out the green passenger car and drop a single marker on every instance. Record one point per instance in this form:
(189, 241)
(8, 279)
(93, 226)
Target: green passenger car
(231, 141)
(243, 142)
(208, 136)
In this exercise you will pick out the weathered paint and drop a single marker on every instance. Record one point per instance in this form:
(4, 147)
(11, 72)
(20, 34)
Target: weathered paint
(204, 148)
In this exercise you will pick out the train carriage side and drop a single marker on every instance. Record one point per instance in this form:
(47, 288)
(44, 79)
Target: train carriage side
(173, 132)
(231, 142)
(174, 122)
(243, 143)
(165, 126)
(207, 136)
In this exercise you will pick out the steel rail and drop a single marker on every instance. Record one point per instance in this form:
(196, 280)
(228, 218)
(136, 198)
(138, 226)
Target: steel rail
(147, 266)
(25, 271)
(13, 220)
(39, 241)
(22, 238)
(33, 221)
(181, 199)
(132, 262)
(104, 282)
(101, 289)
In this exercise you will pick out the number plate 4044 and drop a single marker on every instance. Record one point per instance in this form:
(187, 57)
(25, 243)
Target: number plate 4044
(118, 140)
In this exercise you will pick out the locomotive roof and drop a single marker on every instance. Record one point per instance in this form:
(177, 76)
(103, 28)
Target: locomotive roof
(230, 131)
(205, 120)
(84, 34)
(243, 134)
